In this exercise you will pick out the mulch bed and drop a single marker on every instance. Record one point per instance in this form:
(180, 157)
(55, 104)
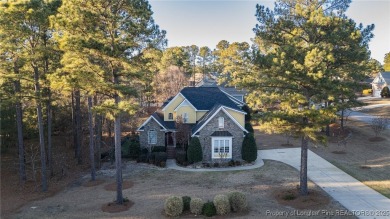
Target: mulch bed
(113, 207)
(291, 197)
(339, 152)
(126, 184)
(376, 139)
(93, 183)
(287, 145)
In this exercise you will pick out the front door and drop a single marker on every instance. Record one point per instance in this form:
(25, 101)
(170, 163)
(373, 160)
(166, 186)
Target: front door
(169, 139)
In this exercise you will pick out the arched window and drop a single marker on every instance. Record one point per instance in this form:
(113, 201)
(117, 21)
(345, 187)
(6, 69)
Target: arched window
(221, 122)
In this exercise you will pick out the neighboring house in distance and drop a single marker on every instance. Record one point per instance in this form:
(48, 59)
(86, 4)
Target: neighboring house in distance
(215, 117)
(379, 82)
(211, 81)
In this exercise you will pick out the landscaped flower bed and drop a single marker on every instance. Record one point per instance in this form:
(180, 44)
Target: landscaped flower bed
(222, 204)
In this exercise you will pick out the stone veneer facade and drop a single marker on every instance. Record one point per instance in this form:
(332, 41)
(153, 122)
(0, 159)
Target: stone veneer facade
(152, 124)
(212, 126)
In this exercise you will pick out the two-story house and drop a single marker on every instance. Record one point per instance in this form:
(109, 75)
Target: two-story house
(215, 117)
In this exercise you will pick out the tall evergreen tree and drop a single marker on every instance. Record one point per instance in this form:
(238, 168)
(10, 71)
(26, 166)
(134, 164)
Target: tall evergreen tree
(204, 59)
(307, 52)
(108, 37)
(386, 62)
(30, 29)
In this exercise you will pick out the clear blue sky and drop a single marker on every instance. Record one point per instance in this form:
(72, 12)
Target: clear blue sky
(205, 23)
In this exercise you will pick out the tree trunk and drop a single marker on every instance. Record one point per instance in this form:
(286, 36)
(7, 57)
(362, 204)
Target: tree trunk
(118, 154)
(19, 125)
(98, 130)
(303, 172)
(49, 132)
(342, 120)
(109, 130)
(40, 128)
(79, 133)
(74, 129)
(91, 140)
(327, 129)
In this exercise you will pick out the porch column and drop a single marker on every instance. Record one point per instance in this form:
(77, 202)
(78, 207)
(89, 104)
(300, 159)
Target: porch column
(174, 139)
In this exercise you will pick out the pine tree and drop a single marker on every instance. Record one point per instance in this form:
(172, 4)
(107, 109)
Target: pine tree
(107, 39)
(27, 35)
(307, 52)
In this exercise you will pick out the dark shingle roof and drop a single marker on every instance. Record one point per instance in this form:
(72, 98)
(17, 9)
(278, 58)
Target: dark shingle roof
(205, 118)
(221, 133)
(160, 118)
(204, 98)
(386, 76)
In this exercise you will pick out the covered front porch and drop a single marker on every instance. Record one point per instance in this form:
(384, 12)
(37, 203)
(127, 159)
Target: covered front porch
(170, 144)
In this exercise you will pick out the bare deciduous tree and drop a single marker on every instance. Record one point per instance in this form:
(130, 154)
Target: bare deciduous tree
(379, 124)
(169, 83)
(183, 132)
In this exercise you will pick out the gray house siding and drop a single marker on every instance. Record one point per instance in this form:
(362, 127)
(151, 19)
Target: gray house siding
(151, 125)
(212, 126)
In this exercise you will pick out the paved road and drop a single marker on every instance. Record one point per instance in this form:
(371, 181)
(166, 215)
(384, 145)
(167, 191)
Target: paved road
(363, 117)
(351, 193)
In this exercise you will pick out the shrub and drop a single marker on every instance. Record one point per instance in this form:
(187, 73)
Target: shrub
(159, 149)
(134, 149)
(231, 163)
(186, 203)
(237, 201)
(181, 156)
(222, 205)
(248, 116)
(209, 209)
(249, 127)
(289, 197)
(379, 124)
(196, 205)
(385, 92)
(151, 158)
(173, 206)
(144, 151)
(249, 148)
(160, 157)
(125, 148)
(367, 91)
(194, 152)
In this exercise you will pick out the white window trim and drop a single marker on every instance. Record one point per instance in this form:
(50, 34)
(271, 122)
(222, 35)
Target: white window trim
(149, 139)
(185, 117)
(170, 116)
(216, 155)
(221, 122)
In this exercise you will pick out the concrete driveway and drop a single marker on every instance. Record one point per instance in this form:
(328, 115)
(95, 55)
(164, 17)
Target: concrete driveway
(359, 199)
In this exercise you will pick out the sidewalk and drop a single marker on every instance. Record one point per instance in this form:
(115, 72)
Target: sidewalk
(358, 198)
